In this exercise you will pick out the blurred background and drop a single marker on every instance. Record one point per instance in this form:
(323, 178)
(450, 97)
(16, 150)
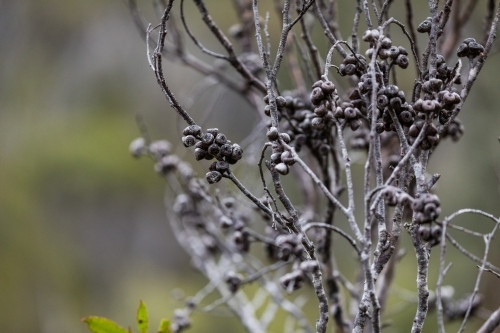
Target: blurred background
(83, 226)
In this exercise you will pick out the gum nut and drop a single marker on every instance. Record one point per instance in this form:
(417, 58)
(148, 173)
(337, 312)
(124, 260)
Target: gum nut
(237, 152)
(317, 96)
(349, 113)
(317, 123)
(402, 61)
(285, 137)
(137, 147)
(160, 148)
(213, 177)
(320, 110)
(382, 101)
(417, 205)
(282, 168)
(386, 42)
(463, 50)
(221, 166)
(393, 52)
(350, 69)
(354, 124)
(436, 232)
(424, 233)
(213, 149)
(391, 90)
(273, 133)
(213, 131)
(368, 36)
(328, 87)
(207, 138)
(194, 130)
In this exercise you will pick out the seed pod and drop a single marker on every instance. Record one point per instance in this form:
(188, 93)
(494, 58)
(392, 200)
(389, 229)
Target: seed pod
(402, 61)
(213, 131)
(393, 52)
(207, 138)
(391, 91)
(220, 139)
(272, 134)
(320, 110)
(200, 154)
(280, 102)
(382, 101)
(349, 113)
(428, 106)
(137, 147)
(475, 49)
(350, 69)
(282, 168)
(166, 164)
(193, 130)
(386, 43)
(425, 233)
(436, 232)
(188, 140)
(317, 96)
(221, 166)
(395, 103)
(379, 128)
(285, 137)
(317, 123)
(354, 124)
(406, 117)
(328, 87)
(237, 152)
(425, 26)
(213, 177)
(267, 110)
(463, 50)
(213, 149)
(160, 148)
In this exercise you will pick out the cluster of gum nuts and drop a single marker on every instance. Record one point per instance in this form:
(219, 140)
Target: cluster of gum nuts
(209, 145)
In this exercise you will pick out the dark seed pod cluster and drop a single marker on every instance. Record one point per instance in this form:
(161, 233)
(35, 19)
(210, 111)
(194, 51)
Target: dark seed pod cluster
(351, 114)
(209, 145)
(394, 197)
(426, 208)
(353, 65)
(323, 92)
(431, 138)
(469, 48)
(288, 245)
(431, 234)
(233, 281)
(293, 280)
(390, 97)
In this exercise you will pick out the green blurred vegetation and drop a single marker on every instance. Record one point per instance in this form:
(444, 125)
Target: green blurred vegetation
(83, 229)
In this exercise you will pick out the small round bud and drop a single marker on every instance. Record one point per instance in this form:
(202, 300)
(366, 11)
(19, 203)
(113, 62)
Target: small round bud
(188, 140)
(137, 147)
(213, 177)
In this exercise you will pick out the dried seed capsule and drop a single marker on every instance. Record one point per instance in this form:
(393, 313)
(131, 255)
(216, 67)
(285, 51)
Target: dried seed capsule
(280, 102)
(221, 166)
(393, 52)
(160, 148)
(213, 177)
(382, 101)
(425, 233)
(328, 87)
(200, 154)
(354, 124)
(317, 96)
(167, 164)
(220, 139)
(395, 103)
(237, 152)
(350, 69)
(425, 26)
(188, 140)
(463, 50)
(386, 43)
(282, 168)
(266, 99)
(317, 123)
(349, 113)
(137, 147)
(194, 130)
(287, 158)
(475, 49)
(379, 128)
(317, 84)
(285, 137)
(428, 106)
(436, 232)
(214, 149)
(213, 131)
(406, 117)
(402, 61)
(391, 90)
(320, 110)
(207, 138)
(272, 134)
(433, 139)
(226, 150)
(267, 110)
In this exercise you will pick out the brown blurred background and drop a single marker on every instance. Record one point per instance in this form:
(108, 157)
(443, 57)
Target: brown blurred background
(83, 227)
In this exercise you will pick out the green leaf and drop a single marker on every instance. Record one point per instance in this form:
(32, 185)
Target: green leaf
(142, 318)
(164, 326)
(103, 325)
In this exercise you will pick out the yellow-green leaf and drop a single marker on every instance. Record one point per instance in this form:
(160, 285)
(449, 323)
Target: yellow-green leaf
(164, 326)
(142, 318)
(103, 325)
